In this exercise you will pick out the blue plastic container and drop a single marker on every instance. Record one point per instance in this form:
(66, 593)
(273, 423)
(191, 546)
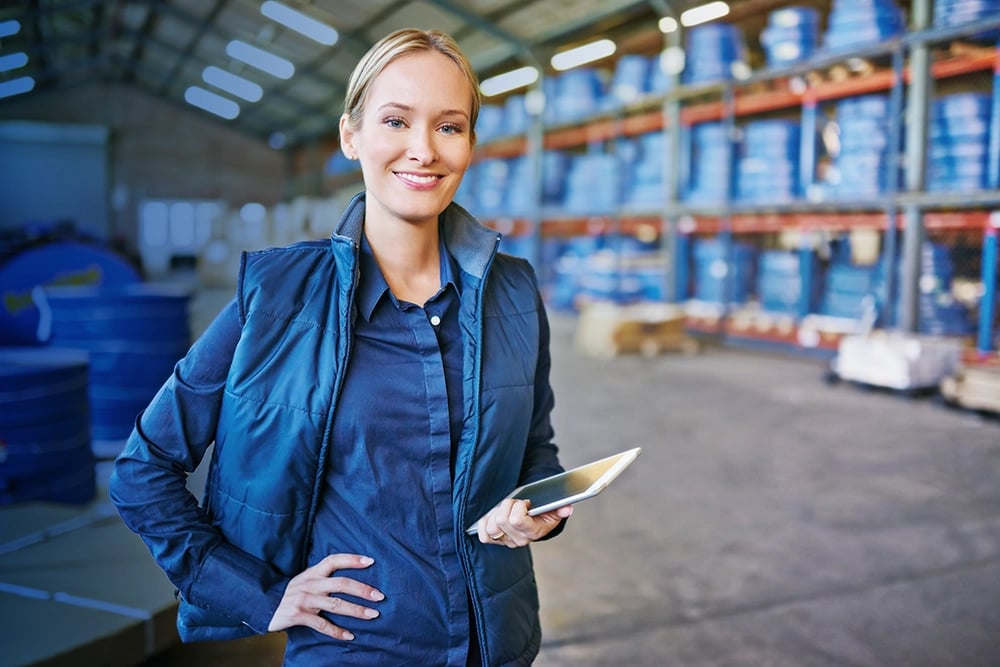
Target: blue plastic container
(45, 446)
(718, 47)
(722, 275)
(133, 335)
(52, 264)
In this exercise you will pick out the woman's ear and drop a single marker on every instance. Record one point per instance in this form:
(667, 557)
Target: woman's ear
(347, 138)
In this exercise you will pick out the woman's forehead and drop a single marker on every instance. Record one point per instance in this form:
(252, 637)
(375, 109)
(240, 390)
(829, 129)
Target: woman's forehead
(423, 75)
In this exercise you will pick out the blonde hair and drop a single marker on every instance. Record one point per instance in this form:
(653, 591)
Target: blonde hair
(396, 45)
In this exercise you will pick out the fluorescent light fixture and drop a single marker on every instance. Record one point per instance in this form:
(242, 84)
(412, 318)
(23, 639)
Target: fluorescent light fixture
(502, 83)
(668, 24)
(582, 55)
(16, 86)
(299, 22)
(13, 61)
(232, 84)
(263, 60)
(212, 103)
(8, 28)
(704, 13)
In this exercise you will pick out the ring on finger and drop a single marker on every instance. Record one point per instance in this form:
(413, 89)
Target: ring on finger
(499, 536)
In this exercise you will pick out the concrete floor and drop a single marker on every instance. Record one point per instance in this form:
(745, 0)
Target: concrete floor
(772, 520)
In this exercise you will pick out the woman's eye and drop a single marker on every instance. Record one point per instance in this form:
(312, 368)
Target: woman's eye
(451, 129)
(394, 123)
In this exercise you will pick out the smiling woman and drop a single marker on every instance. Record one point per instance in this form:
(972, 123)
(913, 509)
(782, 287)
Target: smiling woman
(369, 396)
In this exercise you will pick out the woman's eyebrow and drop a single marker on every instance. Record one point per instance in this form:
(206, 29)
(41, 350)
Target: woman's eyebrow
(407, 108)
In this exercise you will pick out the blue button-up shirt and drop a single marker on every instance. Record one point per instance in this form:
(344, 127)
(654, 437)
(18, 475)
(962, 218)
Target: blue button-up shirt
(388, 487)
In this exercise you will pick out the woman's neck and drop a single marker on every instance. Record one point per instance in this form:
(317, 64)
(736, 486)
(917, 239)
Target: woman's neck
(409, 257)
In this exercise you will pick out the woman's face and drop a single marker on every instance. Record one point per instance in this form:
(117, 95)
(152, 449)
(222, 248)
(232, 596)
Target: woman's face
(415, 138)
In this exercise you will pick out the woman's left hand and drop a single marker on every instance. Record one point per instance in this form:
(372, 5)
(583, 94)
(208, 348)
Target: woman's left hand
(508, 523)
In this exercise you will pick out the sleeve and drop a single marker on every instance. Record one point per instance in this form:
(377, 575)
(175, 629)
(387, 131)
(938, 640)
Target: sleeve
(148, 485)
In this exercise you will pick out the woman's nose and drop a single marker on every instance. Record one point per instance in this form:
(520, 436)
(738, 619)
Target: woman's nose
(421, 148)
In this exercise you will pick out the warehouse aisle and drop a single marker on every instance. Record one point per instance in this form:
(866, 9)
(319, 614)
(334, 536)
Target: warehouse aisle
(771, 520)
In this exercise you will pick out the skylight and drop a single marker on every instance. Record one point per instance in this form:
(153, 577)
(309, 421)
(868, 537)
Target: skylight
(501, 83)
(13, 61)
(212, 103)
(584, 54)
(263, 60)
(704, 13)
(299, 22)
(232, 84)
(8, 28)
(16, 86)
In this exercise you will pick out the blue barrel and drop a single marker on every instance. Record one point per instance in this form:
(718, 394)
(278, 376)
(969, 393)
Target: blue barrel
(49, 265)
(45, 451)
(133, 335)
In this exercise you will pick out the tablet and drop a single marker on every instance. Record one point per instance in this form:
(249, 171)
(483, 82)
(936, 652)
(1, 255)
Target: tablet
(571, 486)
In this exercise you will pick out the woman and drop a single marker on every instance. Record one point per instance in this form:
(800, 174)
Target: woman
(369, 396)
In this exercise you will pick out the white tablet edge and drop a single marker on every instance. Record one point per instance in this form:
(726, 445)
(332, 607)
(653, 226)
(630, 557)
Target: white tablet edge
(625, 459)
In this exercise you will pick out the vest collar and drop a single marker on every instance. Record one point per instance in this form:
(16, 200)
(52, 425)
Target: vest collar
(471, 244)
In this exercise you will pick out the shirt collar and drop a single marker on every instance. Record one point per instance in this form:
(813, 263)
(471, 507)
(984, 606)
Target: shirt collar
(372, 284)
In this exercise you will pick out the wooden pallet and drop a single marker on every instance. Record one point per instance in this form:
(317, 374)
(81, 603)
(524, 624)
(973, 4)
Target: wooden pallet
(607, 330)
(974, 388)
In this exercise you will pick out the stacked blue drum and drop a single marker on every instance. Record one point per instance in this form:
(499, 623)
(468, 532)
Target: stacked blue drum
(520, 191)
(554, 167)
(958, 157)
(45, 451)
(862, 166)
(515, 116)
(848, 288)
(853, 23)
(781, 279)
(631, 80)
(645, 182)
(712, 51)
(133, 334)
(791, 35)
(569, 264)
(592, 185)
(939, 313)
(487, 187)
(958, 12)
(723, 272)
(490, 124)
(769, 168)
(711, 168)
(574, 95)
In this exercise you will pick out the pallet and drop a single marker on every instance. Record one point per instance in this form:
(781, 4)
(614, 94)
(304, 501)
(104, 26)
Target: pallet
(607, 330)
(974, 388)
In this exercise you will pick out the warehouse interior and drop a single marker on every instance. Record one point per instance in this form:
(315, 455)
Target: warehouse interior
(766, 234)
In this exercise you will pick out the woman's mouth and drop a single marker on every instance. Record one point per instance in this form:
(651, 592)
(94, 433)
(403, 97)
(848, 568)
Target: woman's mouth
(419, 181)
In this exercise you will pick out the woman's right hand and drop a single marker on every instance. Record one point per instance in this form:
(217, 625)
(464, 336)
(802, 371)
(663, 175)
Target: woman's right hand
(313, 590)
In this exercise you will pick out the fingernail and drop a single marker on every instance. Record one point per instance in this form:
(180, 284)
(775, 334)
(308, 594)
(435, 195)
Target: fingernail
(371, 613)
(365, 560)
(377, 595)
(348, 636)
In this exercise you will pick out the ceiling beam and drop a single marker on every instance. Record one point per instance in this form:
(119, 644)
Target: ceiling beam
(143, 34)
(566, 29)
(522, 49)
(206, 25)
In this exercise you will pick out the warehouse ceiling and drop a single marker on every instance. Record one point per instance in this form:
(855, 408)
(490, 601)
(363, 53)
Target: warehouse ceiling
(164, 47)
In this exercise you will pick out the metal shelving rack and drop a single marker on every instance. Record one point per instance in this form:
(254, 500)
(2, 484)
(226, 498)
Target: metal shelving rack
(903, 213)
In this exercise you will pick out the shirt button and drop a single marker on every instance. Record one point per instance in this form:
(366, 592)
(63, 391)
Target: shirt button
(435, 320)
